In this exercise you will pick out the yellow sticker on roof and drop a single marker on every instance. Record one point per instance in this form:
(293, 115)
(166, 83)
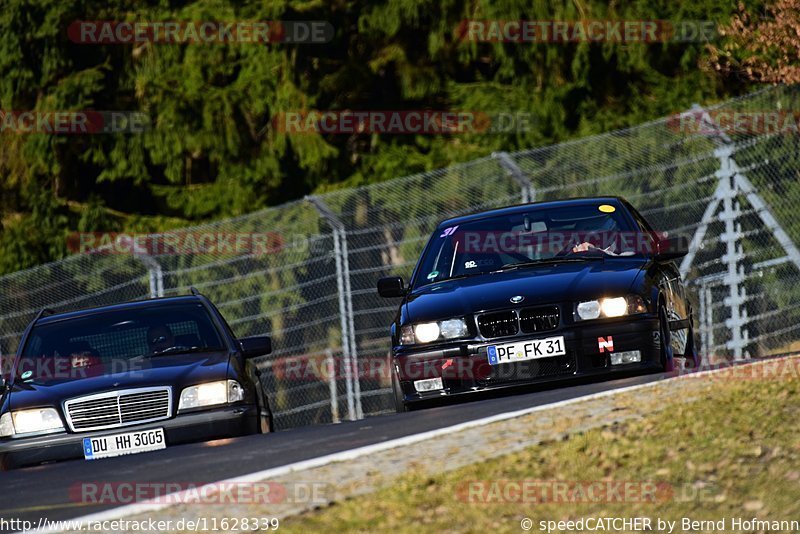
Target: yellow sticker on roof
(607, 208)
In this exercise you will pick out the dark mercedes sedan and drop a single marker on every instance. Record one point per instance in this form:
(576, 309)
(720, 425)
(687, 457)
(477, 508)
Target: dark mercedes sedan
(538, 293)
(129, 378)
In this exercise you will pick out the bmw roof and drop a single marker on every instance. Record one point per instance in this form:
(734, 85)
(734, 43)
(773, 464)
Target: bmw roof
(522, 208)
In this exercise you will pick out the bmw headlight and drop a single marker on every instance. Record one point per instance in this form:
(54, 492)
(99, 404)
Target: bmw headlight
(433, 331)
(427, 332)
(36, 421)
(614, 307)
(211, 394)
(610, 307)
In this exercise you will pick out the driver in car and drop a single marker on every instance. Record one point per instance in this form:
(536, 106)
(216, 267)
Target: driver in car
(160, 338)
(586, 247)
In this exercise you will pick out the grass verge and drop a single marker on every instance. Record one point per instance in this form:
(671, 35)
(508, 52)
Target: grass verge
(732, 453)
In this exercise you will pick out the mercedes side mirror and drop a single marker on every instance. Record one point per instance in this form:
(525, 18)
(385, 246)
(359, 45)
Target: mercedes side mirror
(255, 346)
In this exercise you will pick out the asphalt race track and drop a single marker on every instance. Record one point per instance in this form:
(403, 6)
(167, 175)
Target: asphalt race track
(43, 491)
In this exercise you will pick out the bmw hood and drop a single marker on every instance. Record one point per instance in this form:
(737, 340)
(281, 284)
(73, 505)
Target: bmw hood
(543, 284)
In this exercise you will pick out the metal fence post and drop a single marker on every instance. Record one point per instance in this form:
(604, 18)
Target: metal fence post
(331, 364)
(348, 292)
(156, 274)
(354, 410)
(518, 175)
(706, 318)
(733, 256)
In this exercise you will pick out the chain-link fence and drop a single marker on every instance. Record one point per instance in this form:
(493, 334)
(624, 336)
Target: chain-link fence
(313, 289)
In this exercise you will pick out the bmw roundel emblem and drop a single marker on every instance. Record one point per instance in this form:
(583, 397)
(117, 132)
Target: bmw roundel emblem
(517, 299)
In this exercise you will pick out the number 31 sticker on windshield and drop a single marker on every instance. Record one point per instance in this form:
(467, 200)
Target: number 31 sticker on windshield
(449, 231)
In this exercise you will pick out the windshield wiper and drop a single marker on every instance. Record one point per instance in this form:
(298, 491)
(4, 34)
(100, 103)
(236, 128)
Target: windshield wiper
(456, 277)
(523, 264)
(182, 350)
(547, 261)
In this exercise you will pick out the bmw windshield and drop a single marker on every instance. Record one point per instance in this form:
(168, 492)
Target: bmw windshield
(572, 233)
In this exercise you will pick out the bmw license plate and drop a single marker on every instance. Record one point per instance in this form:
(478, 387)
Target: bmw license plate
(526, 350)
(127, 443)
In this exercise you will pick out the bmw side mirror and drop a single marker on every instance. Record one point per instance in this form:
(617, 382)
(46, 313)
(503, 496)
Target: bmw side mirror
(391, 286)
(255, 346)
(672, 247)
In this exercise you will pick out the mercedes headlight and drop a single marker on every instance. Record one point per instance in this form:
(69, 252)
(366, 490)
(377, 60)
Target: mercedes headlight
(610, 307)
(211, 394)
(36, 421)
(433, 331)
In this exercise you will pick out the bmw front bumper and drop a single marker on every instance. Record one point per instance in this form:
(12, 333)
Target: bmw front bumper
(464, 366)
